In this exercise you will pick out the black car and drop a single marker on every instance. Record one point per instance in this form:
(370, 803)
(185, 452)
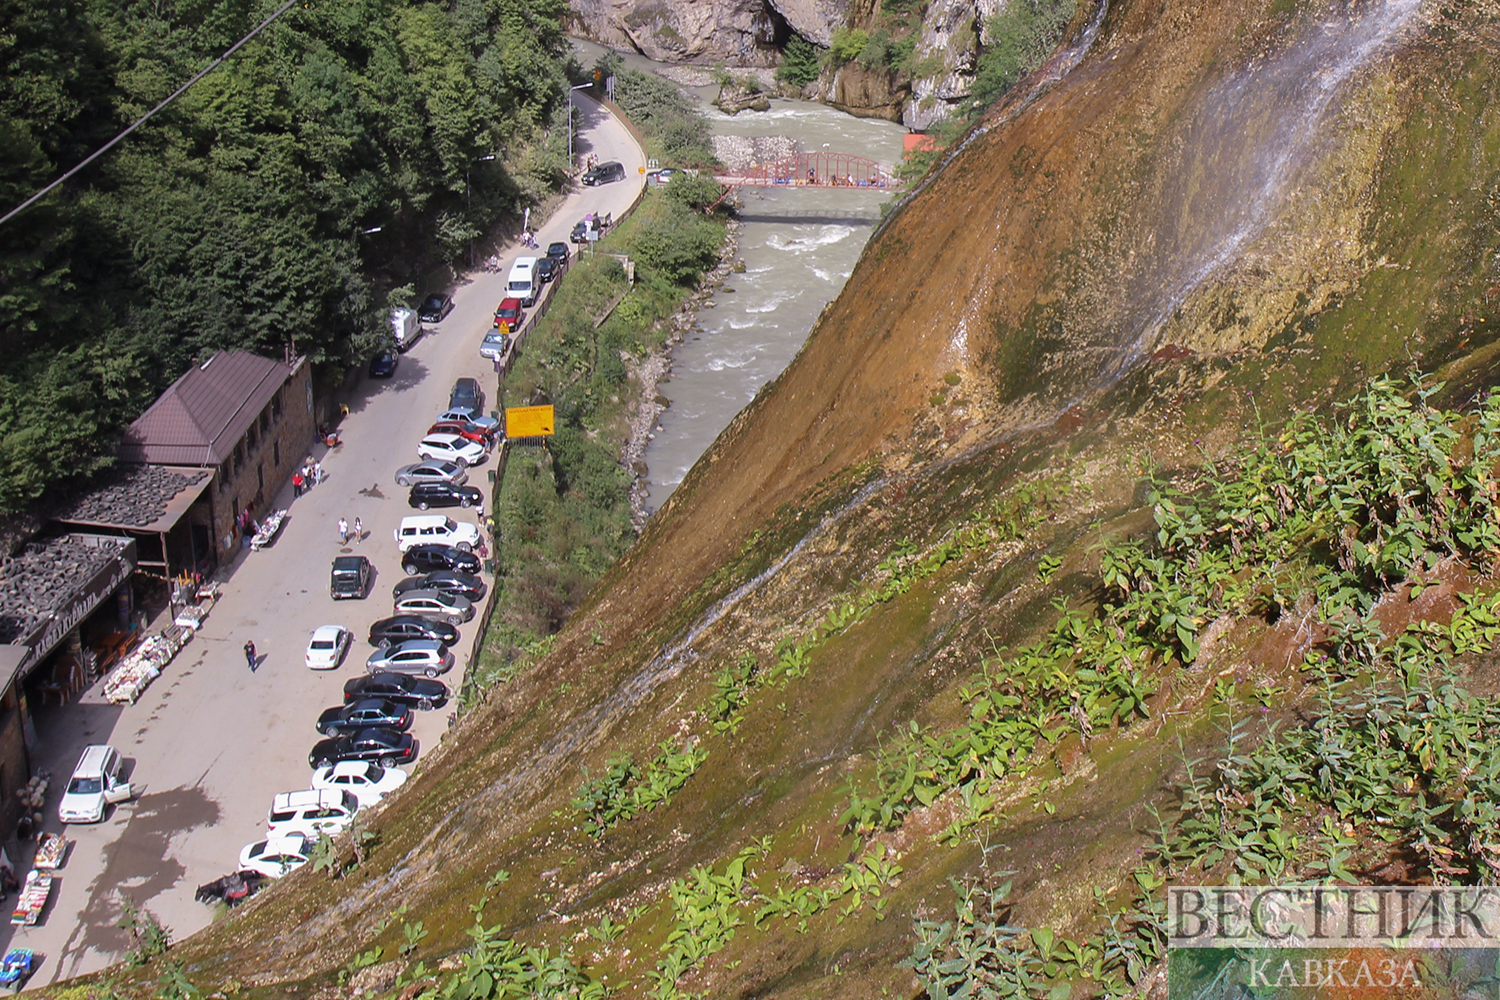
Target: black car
(429, 558)
(350, 577)
(434, 308)
(614, 170)
(366, 713)
(546, 269)
(461, 584)
(386, 747)
(425, 495)
(560, 253)
(467, 394)
(418, 692)
(402, 627)
(383, 365)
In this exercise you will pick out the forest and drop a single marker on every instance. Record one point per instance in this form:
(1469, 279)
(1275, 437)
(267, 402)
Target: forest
(282, 204)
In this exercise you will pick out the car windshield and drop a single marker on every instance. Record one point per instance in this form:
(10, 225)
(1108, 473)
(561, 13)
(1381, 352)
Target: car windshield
(433, 302)
(85, 786)
(322, 644)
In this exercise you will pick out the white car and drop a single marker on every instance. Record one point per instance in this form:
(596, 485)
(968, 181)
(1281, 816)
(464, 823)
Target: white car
(436, 529)
(451, 448)
(275, 856)
(327, 647)
(367, 781)
(472, 416)
(312, 811)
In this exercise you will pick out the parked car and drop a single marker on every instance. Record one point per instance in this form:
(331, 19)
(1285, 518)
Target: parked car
(405, 328)
(521, 282)
(425, 495)
(431, 472)
(434, 307)
(461, 584)
(614, 170)
(439, 604)
(546, 270)
(509, 315)
(367, 782)
(311, 812)
(399, 628)
(97, 782)
(429, 558)
(419, 692)
(327, 647)
(494, 345)
(386, 747)
(560, 255)
(451, 448)
(472, 415)
(365, 714)
(383, 365)
(435, 529)
(468, 394)
(466, 429)
(662, 176)
(350, 577)
(275, 856)
(427, 657)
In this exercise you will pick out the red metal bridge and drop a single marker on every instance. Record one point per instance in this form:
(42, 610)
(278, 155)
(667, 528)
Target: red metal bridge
(821, 169)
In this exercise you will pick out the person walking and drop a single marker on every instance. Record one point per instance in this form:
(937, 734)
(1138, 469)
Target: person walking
(359, 530)
(250, 655)
(343, 532)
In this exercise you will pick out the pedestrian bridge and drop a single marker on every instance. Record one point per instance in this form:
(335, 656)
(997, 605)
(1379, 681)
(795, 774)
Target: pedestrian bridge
(818, 169)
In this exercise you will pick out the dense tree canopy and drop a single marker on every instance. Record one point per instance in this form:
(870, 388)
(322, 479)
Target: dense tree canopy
(235, 218)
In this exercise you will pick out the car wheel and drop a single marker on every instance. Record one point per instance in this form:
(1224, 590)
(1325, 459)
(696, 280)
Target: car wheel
(402, 481)
(464, 547)
(460, 461)
(425, 705)
(430, 672)
(467, 501)
(388, 762)
(410, 569)
(331, 731)
(323, 762)
(422, 505)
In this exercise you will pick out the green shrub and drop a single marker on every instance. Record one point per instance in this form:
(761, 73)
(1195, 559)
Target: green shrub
(1023, 35)
(847, 44)
(675, 131)
(673, 240)
(694, 190)
(799, 62)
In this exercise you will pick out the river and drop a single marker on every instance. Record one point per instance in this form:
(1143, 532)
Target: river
(799, 247)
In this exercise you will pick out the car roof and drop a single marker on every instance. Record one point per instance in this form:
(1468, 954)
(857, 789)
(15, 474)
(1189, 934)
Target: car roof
(509, 302)
(441, 596)
(414, 644)
(315, 797)
(443, 438)
(435, 297)
(348, 562)
(327, 631)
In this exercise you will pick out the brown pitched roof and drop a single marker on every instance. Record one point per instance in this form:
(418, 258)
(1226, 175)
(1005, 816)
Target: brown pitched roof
(202, 415)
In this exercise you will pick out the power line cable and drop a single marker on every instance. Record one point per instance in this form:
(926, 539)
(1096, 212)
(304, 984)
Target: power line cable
(146, 117)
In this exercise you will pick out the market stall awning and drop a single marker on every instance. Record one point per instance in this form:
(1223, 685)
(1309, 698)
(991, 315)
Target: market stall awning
(138, 499)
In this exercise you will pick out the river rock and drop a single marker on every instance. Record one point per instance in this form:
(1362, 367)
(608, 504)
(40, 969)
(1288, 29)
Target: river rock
(739, 153)
(736, 97)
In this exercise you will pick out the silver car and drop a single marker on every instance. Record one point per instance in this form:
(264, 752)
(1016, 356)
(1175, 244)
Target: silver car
(432, 471)
(438, 604)
(414, 656)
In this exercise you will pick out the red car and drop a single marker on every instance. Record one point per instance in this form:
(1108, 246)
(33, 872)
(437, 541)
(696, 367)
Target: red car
(463, 429)
(509, 314)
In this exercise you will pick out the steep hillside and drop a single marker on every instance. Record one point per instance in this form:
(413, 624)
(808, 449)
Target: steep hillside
(1017, 534)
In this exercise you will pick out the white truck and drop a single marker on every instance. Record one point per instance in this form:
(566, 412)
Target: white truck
(405, 328)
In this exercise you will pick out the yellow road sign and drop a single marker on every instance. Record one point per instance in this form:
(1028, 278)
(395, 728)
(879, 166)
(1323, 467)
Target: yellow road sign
(528, 421)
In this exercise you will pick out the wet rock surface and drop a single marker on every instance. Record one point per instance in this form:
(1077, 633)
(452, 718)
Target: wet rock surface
(742, 152)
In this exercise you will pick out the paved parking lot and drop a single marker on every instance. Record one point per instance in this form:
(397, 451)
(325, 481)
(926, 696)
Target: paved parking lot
(210, 743)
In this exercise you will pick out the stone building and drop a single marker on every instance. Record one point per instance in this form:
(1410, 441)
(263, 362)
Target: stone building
(246, 419)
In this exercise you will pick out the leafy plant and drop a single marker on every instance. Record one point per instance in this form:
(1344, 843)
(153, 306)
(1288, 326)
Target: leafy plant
(799, 62)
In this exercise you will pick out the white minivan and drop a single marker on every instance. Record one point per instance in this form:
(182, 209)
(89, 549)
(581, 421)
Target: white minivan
(522, 281)
(96, 783)
(436, 529)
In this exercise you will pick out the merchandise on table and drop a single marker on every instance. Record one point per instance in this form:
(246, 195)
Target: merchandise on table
(33, 898)
(143, 665)
(50, 852)
(268, 529)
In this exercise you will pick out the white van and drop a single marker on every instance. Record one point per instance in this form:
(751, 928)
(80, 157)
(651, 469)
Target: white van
(522, 281)
(436, 529)
(405, 328)
(315, 811)
(96, 782)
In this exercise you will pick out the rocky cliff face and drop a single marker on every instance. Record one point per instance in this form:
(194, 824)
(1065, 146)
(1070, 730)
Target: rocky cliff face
(1214, 215)
(742, 32)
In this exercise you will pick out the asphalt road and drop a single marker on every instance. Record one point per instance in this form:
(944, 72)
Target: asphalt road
(210, 743)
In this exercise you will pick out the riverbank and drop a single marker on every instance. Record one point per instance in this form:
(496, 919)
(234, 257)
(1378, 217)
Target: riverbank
(656, 368)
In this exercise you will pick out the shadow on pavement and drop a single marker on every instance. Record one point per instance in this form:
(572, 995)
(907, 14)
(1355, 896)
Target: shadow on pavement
(408, 373)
